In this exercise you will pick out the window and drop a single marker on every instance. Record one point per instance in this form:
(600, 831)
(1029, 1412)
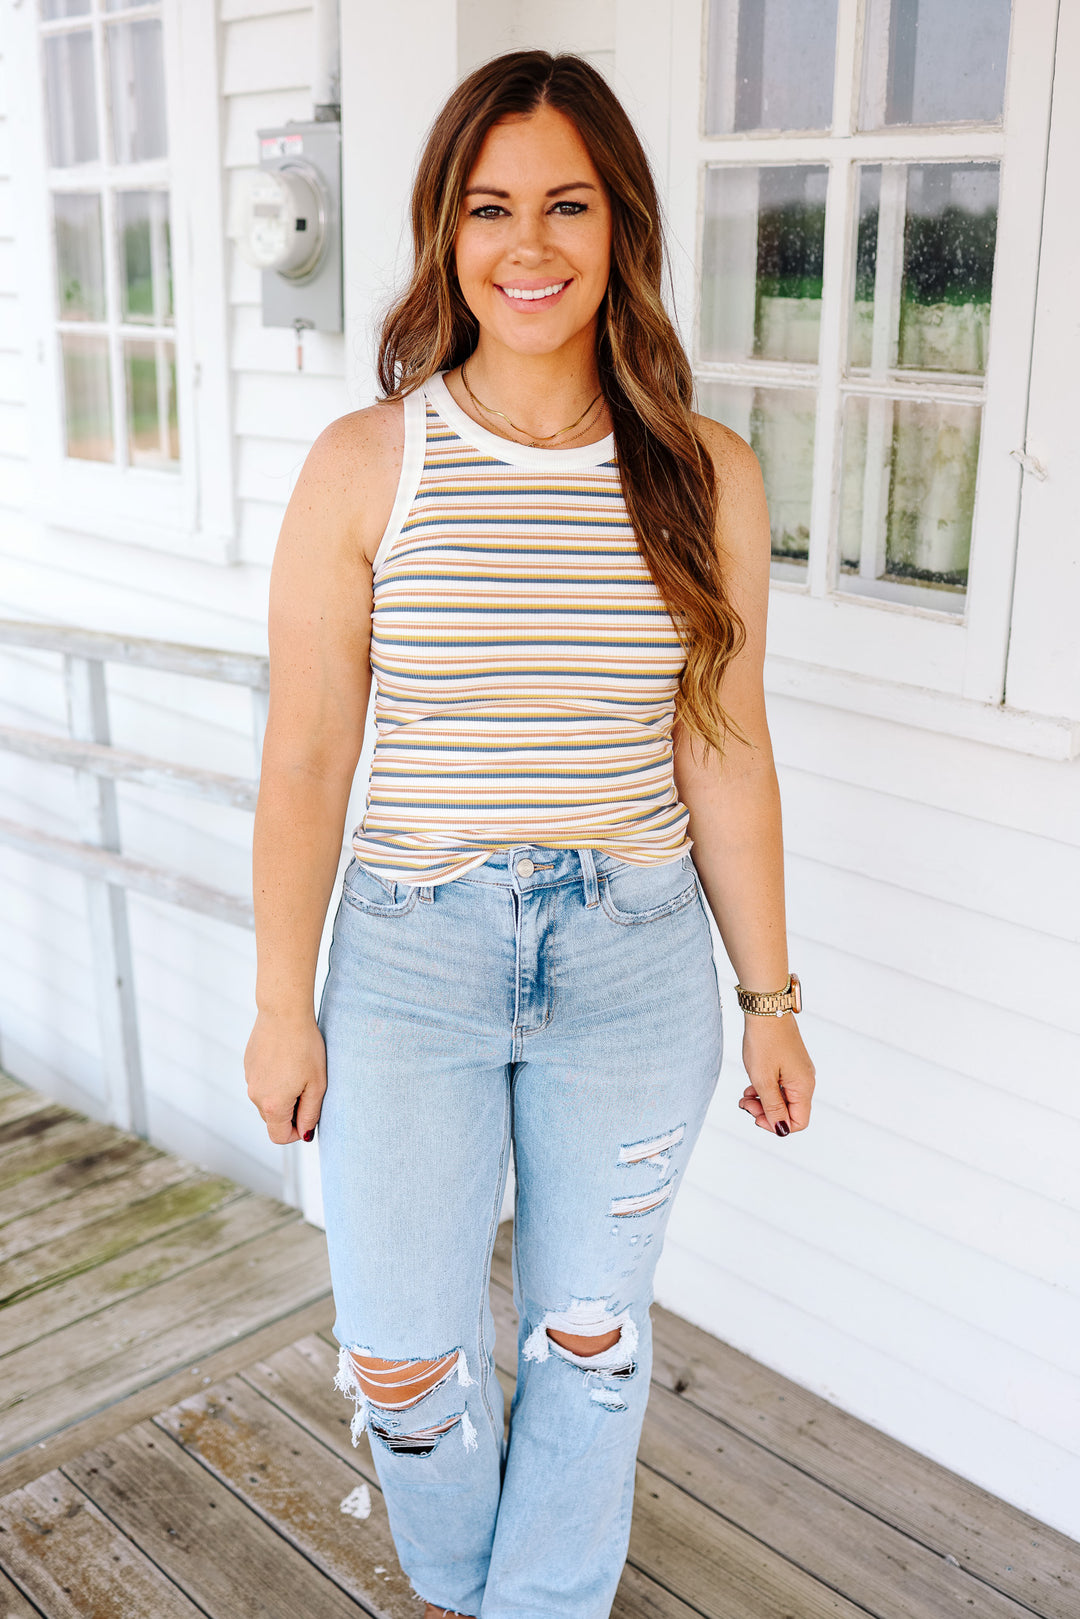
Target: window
(109, 194)
(845, 184)
(118, 197)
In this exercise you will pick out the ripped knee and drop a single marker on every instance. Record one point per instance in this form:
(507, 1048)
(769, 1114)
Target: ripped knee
(580, 1345)
(383, 1390)
(395, 1385)
(590, 1335)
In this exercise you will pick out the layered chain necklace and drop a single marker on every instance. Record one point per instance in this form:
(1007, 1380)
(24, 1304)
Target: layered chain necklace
(535, 443)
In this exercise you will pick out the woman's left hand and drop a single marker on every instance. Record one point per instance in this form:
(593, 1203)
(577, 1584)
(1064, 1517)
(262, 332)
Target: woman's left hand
(781, 1074)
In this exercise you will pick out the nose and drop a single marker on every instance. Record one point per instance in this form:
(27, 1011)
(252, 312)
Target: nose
(530, 245)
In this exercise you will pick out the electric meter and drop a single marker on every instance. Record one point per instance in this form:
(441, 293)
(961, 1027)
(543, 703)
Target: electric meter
(285, 219)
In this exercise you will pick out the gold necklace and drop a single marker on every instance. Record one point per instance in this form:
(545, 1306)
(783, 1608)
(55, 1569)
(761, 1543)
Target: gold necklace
(536, 443)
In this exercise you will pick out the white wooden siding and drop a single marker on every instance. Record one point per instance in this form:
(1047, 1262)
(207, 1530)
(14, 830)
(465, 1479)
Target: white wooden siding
(916, 1256)
(194, 977)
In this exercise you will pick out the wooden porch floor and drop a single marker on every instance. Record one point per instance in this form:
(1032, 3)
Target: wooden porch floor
(171, 1443)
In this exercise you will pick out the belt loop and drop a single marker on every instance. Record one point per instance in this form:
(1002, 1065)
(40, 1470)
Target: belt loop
(427, 891)
(588, 869)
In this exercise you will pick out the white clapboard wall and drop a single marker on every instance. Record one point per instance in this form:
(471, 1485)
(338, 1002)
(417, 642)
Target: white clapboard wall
(194, 976)
(913, 1256)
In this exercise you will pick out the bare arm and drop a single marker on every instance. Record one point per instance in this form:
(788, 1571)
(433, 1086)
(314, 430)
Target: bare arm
(320, 678)
(735, 807)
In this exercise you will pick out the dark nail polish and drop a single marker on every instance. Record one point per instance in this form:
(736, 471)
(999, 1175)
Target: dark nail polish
(783, 1128)
(309, 1135)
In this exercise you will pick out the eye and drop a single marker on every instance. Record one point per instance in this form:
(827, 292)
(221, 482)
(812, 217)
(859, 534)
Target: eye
(575, 208)
(487, 210)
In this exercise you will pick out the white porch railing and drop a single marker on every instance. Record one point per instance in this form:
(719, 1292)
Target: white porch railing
(109, 873)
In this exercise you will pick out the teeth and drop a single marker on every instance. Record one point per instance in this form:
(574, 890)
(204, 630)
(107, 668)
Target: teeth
(537, 292)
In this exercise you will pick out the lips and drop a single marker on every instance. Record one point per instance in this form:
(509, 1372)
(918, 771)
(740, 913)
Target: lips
(532, 297)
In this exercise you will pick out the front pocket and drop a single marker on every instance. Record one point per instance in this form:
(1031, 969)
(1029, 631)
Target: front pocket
(644, 893)
(374, 895)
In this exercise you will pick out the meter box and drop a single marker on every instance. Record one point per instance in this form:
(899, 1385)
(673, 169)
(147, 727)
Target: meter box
(286, 221)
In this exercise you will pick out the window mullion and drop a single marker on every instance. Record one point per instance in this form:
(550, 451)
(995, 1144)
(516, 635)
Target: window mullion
(849, 27)
(888, 283)
(836, 283)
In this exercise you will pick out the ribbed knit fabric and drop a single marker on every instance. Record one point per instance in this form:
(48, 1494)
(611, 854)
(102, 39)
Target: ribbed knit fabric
(525, 663)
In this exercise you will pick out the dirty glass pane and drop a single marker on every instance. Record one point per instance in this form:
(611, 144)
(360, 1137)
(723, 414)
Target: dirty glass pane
(762, 263)
(51, 10)
(80, 275)
(87, 401)
(69, 96)
(935, 62)
(779, 425)
(908, 493)
(136, 90)
(770, 65)
(142, 219)
(150, 374)
(924, 267)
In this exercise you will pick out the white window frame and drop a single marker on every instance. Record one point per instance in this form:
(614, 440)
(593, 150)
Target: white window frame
(811, 625)
(187, 510)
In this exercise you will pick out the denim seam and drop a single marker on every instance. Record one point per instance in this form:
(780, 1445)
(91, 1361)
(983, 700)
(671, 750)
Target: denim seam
(630, 918)
(493, 1226)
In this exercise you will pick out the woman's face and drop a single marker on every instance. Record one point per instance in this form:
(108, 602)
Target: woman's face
(533, 248)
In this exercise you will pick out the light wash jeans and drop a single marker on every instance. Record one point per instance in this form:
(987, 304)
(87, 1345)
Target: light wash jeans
(564, 1002)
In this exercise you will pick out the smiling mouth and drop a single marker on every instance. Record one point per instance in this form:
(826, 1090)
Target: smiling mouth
(534, 295)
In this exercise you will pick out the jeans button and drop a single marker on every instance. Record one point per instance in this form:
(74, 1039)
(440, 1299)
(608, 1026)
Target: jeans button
(525, 867)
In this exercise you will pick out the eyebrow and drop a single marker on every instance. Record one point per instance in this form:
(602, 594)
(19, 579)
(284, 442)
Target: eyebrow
(556, 191)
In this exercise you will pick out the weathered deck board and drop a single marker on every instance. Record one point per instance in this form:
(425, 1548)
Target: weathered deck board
(63, 1140)
(202, 1537)
(91, 1245)
(286, 1476)
(115, 1156)
(99, 1201)
(97, 1360)
(72, 1561)
(77, 1299)
(171, 1442)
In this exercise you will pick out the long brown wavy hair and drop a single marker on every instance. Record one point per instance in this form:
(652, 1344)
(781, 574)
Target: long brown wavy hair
(668, 479)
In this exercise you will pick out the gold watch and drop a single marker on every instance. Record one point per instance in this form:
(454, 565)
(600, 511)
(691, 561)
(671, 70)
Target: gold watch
(774, 1002)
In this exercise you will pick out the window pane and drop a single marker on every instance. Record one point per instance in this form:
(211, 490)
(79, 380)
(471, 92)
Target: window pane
(762, 263)
(127, 5)
(779, 425)
(150, 370)
(137, 90)
(80, 275)
(935, 61)
(146, 269)
(908, 495)
(87, 401)
(924, 267)
(770, 65)
(69, 93)
(51, 10)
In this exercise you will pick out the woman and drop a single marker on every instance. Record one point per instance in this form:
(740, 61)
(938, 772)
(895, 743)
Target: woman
(560, 577)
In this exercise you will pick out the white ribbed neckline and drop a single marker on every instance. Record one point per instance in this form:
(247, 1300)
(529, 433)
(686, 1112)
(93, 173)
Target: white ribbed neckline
(504, 449)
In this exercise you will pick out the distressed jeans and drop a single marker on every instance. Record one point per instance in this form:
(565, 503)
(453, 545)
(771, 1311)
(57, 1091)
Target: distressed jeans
(561, 1003)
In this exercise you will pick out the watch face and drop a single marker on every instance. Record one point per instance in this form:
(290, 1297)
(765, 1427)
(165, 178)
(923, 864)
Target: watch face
(796, 990)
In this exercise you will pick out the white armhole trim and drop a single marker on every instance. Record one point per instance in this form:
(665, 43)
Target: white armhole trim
(412, 465)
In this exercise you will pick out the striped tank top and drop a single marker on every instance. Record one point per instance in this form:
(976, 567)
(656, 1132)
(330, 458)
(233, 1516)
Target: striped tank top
(525, 663)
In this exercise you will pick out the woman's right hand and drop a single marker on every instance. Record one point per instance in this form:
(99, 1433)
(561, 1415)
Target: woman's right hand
(285, 1069)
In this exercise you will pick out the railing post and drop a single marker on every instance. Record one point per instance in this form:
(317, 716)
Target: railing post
(88, 720)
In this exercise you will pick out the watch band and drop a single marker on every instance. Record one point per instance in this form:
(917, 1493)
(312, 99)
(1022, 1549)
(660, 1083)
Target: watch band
(773, 1002)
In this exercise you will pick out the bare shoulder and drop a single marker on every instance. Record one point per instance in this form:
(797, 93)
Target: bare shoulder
(736, 464)
(350, 475)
